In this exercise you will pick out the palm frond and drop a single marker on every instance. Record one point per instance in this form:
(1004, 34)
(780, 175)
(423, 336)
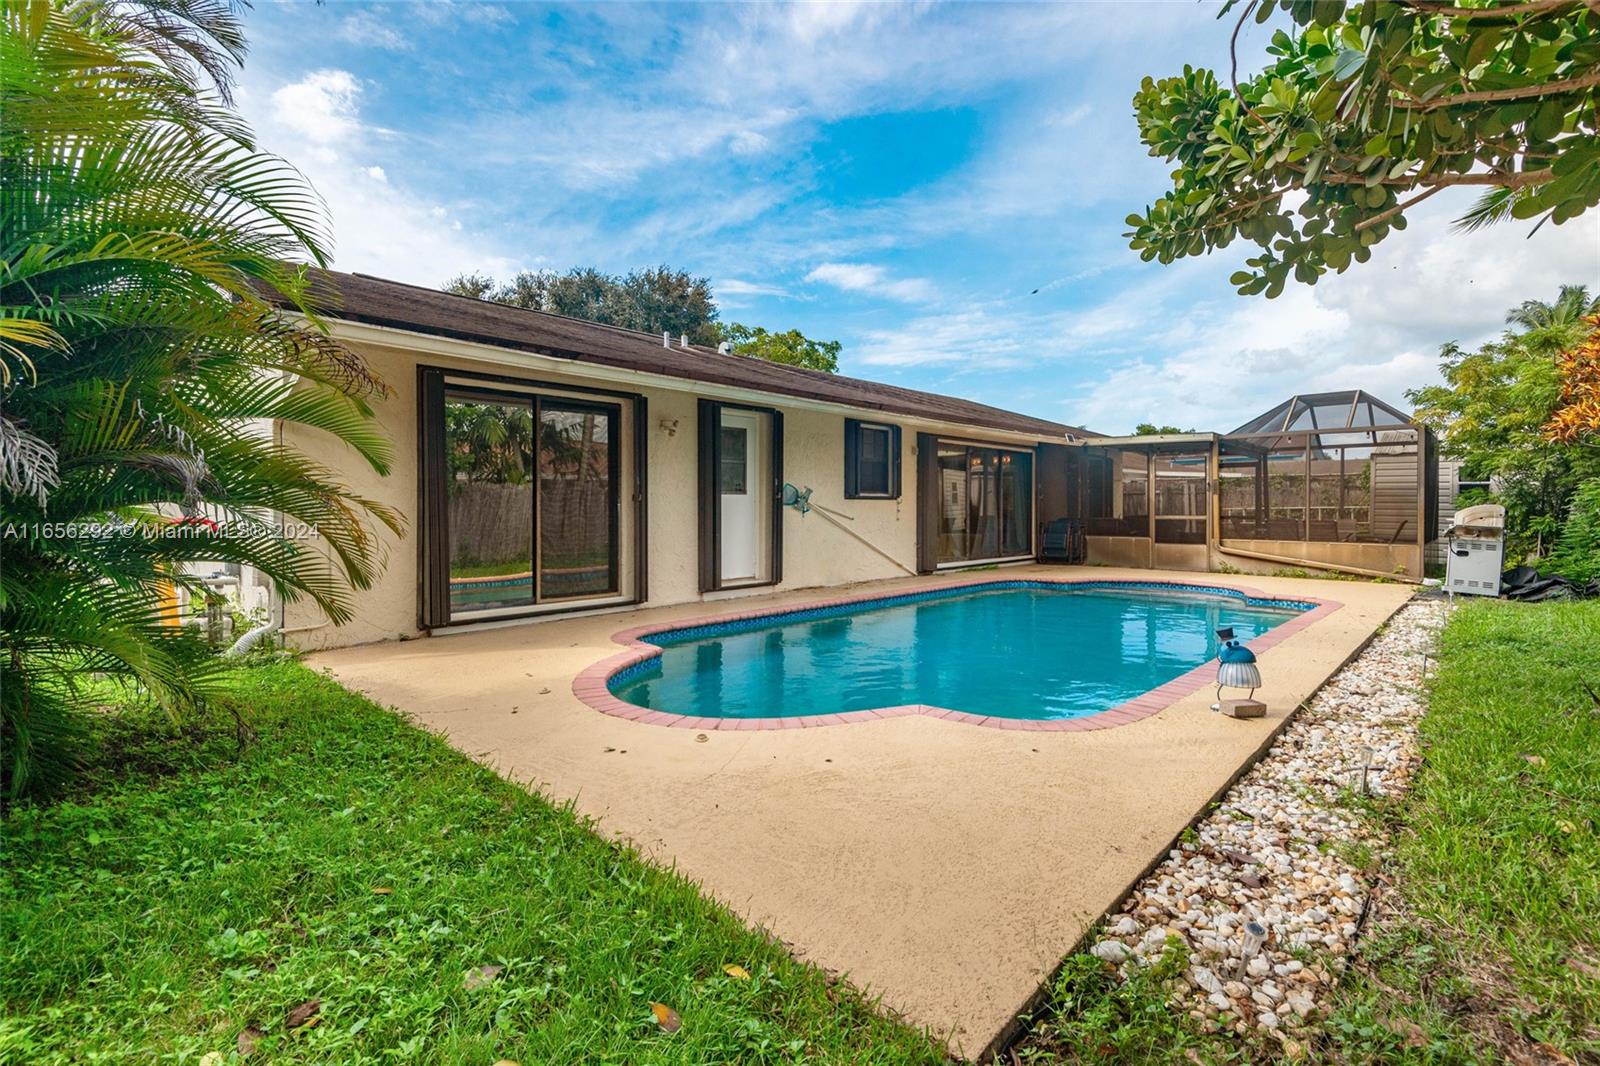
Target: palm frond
(141, 236)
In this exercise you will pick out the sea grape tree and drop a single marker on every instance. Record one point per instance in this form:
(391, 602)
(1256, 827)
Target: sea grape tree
(1363, 112)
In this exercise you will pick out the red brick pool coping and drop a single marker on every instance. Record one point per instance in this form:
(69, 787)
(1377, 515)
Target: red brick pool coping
(591, 686)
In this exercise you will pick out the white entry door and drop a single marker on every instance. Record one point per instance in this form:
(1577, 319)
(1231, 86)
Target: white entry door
(744, 484)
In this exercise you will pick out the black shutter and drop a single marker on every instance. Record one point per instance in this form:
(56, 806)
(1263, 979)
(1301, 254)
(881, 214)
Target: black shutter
(641, 499)
(710, 500)
(777, 497)
(433, 579)
(852, 457)
(894, 462)
(927, 503)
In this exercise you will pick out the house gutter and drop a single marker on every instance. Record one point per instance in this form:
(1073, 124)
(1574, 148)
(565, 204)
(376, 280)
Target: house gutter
(1358, 571)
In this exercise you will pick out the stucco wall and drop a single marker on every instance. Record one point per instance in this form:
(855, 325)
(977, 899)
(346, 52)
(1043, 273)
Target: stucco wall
(816, 551)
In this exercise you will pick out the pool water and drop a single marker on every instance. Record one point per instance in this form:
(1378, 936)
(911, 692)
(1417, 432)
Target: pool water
(1013, 652)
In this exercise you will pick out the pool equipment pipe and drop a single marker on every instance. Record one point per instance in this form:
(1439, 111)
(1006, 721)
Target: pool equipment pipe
(1236, 666)
(251, 639)
(1338, 568)
(800, 500)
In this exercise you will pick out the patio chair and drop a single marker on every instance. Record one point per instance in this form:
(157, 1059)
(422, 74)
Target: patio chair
(1063, 541)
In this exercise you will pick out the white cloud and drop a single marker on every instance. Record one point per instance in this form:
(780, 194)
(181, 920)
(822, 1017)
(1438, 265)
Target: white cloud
(973, 339)
(735, 290)
(873, 280)
(321, 106)
(472, 12)
(379, 225)
(827, 18)
(748, 142)
(1377, 327)
(365, 28)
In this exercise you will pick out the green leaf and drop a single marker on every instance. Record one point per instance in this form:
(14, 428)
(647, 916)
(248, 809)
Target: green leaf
(1348, 64)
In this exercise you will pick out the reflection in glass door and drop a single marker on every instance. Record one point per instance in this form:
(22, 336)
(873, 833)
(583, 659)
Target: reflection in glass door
(529, 497)
(577, 507)
(985, 503)
(489, 492)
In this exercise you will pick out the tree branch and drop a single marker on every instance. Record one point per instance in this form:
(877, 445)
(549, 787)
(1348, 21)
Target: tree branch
(1384, 216)
(1450, 10)
(1523, 92)
(1233, 71)
(1499, 180)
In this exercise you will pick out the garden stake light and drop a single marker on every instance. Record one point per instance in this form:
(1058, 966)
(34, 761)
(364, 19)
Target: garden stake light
(1254, 936)
(1236, 668)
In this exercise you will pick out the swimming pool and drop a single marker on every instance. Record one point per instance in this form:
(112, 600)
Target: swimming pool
(1014, 650)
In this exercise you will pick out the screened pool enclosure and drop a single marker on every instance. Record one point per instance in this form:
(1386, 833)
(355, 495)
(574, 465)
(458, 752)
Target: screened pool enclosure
(1337, 479)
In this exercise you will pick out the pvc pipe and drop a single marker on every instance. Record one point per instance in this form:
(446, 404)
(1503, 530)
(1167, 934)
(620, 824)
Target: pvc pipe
(250, 640)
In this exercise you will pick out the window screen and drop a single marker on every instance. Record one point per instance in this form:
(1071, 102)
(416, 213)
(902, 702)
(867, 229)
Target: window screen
(735, 461)
(871, 460)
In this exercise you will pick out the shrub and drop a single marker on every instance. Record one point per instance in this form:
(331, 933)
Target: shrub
(1577, 553)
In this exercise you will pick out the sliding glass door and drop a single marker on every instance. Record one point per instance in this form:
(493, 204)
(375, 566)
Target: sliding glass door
(489, 449)
(985, 503)
(520, 499)
(577, 505)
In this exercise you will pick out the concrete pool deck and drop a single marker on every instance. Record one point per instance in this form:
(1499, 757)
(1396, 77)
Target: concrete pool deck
(945, 867)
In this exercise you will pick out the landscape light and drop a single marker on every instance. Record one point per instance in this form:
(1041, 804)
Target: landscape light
(1255, 935)
(1236, 666)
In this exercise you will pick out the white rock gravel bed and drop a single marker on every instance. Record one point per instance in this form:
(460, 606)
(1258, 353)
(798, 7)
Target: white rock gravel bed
(1276, 850)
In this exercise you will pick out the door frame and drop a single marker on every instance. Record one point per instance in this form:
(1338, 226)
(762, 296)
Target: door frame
(709, 446)
(433, 518)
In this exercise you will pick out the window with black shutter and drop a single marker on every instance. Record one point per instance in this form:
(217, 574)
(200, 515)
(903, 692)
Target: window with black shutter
(871, 461)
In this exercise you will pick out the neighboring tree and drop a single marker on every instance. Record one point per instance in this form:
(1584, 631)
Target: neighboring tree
(652, 301)
(1573, 304)
(1365, 111)
(660, 300)
(143, 232)
(1576, 419)
(477, 286)
(1150, 429)
(1492, 412)
(791, 347)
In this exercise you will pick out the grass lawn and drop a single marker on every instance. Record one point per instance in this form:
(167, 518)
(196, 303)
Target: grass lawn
(1485, 947)
(1494, 948)
(191, 894)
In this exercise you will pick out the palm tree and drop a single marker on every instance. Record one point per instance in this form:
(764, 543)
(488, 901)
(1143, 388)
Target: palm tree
(140, 231)
(1569, 308)
(198, 41)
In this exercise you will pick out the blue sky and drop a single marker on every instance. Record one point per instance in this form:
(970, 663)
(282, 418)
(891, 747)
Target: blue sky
(897, 177)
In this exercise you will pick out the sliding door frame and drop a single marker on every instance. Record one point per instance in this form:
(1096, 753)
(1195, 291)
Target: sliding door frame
(929, 502)
(433, 518)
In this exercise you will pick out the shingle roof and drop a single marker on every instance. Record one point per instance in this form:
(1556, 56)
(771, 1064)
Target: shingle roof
(379, 302)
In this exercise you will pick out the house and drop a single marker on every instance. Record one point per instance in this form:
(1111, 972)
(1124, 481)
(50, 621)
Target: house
(549, 465)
